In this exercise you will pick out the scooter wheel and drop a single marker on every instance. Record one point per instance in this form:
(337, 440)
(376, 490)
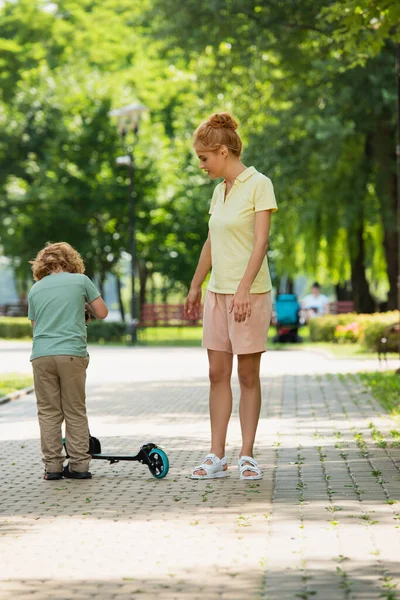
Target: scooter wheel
(159, 465)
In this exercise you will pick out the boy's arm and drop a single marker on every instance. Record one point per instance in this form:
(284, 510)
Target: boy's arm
(97, 308)
(95, 304)
(31, 312)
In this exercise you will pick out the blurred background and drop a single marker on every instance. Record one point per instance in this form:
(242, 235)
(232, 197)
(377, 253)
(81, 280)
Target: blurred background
(313, 85)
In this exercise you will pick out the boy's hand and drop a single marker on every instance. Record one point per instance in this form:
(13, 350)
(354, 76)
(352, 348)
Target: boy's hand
(88, 312)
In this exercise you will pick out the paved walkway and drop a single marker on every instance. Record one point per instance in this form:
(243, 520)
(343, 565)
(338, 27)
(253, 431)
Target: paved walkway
(323, 523)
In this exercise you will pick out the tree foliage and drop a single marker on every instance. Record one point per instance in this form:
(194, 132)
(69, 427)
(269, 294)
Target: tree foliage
(312, 85)
(318, 115)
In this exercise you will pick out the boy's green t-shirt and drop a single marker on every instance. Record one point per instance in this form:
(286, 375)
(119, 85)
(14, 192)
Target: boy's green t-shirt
(57, 305)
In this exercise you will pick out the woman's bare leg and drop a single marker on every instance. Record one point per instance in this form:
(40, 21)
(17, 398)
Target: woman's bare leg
(250, 401)
(220, 400)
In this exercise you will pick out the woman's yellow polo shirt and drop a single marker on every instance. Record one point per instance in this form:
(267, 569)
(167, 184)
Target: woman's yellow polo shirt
(231, 228)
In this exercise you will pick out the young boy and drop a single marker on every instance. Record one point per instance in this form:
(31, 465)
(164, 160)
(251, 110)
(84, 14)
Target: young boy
(57, 304)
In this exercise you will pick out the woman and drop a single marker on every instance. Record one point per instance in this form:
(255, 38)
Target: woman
(237, 309)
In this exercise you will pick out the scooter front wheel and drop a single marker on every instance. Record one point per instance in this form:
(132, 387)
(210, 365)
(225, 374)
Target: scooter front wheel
(159, 463)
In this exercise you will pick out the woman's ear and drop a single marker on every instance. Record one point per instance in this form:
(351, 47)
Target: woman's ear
(224, 151)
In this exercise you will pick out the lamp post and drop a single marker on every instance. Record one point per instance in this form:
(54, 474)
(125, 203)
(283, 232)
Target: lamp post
(128, 120)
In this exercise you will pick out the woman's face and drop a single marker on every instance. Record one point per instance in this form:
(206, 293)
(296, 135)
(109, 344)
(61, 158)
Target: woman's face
(211, 161)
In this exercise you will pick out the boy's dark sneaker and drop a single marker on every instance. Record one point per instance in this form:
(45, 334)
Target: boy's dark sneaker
(76, 474)
(52, 476)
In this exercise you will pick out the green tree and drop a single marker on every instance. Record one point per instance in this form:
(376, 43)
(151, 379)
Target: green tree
(306, 112)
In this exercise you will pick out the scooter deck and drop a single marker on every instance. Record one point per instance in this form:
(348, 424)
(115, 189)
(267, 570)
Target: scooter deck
(115, 457)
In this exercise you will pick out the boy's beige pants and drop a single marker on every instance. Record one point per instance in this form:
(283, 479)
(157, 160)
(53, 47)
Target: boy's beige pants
(60, 393)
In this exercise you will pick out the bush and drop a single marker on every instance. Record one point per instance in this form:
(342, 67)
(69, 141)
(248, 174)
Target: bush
(375, 330)
(103, 331)
(15, 327)
(348, 334)
(353, 328)
(98, 331)
(322, 329)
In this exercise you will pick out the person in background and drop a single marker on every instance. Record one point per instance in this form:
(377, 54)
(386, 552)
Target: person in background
(56, 307)
(315, 304)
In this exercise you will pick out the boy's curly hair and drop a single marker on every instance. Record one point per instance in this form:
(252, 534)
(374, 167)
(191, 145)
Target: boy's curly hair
(54, 257)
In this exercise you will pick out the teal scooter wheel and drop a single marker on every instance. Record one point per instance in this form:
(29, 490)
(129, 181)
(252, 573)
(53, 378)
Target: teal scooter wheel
(159, 465)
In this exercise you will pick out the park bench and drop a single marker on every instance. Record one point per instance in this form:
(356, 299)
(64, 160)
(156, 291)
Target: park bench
(340, 307)
(14, 309)
(166, 315)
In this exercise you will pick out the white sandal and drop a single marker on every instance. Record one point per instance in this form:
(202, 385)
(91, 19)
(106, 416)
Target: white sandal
(248, 463)
(213, 471)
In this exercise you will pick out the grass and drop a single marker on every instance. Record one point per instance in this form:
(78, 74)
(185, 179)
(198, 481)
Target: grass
(347, 350)
(170, 336)
(385, 387)
(191, 337)
(343, 351)
(12, 382)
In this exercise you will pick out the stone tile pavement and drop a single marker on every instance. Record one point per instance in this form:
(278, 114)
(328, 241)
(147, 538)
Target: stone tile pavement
(323, 523)
(334, 529)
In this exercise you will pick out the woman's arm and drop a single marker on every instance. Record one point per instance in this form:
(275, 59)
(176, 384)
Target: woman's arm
(241, 301)
(193, 300)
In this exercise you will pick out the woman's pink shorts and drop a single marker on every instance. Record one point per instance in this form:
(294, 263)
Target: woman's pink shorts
(221, 332)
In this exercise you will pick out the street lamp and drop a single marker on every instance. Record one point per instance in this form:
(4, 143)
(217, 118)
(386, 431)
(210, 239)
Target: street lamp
(128, 120)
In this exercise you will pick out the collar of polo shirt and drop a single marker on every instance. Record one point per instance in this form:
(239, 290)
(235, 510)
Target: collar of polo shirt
(244, 174)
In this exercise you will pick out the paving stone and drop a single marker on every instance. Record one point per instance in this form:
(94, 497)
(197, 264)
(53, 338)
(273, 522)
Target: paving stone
(125, 535)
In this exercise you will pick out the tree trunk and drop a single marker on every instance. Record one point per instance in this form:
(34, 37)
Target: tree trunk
(101, 285)
(343, 292)
(278, 285)
(21, 284)
(164, 291)
(363, 301)
(386, 186)
(152, 290)
(143, 275)
(121, 306)
(390, 242)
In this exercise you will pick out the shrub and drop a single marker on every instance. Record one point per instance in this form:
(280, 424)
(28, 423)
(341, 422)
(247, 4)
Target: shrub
(15, 327)
(97, 331)
(103, 331)
(322, 329)
(375, 330)
(353, 328)
(350, 333)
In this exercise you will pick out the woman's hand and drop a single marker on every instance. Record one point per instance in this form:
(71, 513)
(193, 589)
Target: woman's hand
(241, 305)
(193, 303)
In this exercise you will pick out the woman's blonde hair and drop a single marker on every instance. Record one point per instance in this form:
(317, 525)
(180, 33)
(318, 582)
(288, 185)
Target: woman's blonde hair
(54, 257)
(219, 130)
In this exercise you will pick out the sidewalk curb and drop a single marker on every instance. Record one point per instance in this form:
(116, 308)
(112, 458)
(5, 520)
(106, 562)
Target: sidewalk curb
(16, 395)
